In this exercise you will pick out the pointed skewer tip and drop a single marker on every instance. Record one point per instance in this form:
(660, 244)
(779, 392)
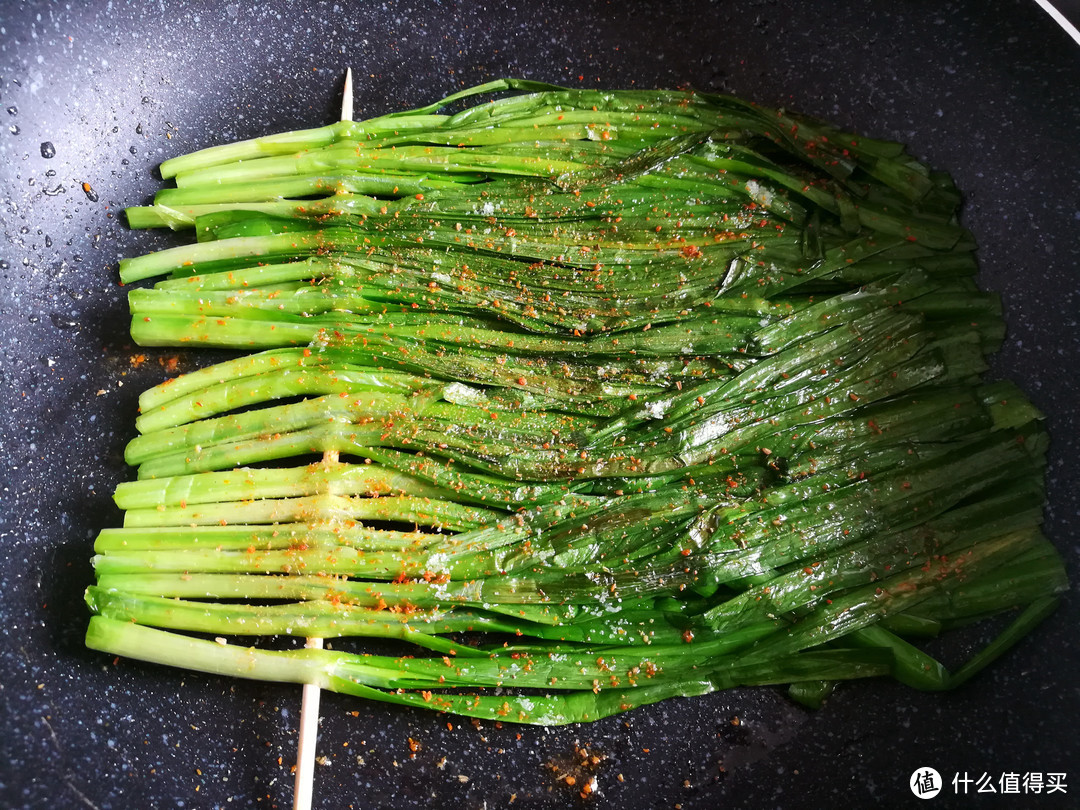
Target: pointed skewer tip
(347, 97)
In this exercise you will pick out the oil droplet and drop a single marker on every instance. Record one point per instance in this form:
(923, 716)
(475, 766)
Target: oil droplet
(61, 322)
(47, 149)
(138, 129)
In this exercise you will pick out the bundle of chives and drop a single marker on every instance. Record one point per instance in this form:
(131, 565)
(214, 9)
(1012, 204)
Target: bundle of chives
(616, 396)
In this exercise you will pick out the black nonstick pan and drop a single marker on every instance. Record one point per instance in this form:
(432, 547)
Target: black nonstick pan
(93, 96)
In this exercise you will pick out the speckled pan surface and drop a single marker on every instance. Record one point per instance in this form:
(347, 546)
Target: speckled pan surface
(100, 95)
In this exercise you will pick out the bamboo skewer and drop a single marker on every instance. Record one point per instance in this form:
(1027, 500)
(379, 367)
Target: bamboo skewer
(309, 700)
(305, 751)
(347, 97)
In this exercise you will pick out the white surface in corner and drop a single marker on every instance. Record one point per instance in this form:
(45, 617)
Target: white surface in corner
(1060, 19)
